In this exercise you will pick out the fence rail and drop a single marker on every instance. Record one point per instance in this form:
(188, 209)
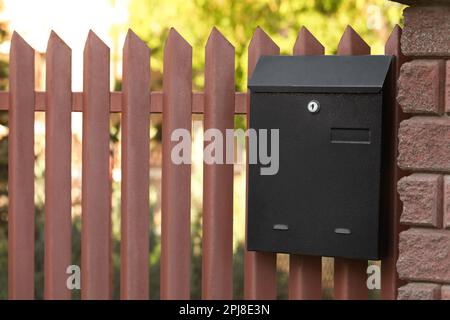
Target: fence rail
(219, 102)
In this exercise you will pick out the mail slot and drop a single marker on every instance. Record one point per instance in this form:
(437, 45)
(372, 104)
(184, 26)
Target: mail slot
(327, 197)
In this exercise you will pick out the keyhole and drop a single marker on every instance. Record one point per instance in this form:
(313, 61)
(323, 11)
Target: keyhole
(313, 106)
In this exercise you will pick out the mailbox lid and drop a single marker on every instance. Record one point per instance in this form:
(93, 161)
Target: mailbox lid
(320, 74)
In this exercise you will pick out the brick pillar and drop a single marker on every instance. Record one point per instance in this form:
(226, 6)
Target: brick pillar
(424, 151)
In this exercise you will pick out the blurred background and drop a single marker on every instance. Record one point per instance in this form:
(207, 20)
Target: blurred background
(151, 20)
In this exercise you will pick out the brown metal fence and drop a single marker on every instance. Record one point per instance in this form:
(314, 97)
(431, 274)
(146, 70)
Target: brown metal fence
(219, 103)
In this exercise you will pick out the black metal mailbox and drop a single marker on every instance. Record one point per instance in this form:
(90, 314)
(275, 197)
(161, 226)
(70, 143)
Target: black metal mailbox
(326, 198)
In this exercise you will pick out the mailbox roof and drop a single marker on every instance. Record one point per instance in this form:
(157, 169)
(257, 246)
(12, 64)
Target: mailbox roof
(320, 74)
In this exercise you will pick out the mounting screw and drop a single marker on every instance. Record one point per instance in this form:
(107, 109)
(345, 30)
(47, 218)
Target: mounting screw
(313, 106)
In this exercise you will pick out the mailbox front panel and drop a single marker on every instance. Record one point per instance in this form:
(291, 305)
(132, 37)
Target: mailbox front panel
(325, 198)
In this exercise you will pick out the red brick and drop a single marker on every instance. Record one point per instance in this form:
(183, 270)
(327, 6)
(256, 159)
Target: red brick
(424, 255)
(424, 144)
(447, 202)
(420, 86)
(447, 87)
(421, 195)
(445, 293)
(426, 32)
(419, 291)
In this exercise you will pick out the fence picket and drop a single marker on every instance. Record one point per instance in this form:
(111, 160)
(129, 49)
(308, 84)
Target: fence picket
(135, 167)
(217, 271)
(351, 44)
(389, 276)
(350, 275)
(176, 179)
(307, 45)
(260, 274)
(21, 170)
(96, 203)
(58, 140)
(305, 272)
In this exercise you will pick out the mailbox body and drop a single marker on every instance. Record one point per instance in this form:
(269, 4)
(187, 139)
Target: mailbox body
(327, 198)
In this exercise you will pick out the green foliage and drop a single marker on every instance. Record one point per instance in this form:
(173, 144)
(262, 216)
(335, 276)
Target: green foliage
(237, 20)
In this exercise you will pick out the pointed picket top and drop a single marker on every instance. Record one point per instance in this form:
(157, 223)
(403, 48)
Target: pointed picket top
(21, 59)
(95, 44)
(55, 43)
(217, 39)
(218, 50)
(58, 63)
(219, 65)
(55, 39)
(176, 42)
(351, 43)
(136, 71)
(393, 47)
(261, 44)
(262, 41)
(135, 44)
(136, 58)
(393, 43)
(307, 45)
(18, 43)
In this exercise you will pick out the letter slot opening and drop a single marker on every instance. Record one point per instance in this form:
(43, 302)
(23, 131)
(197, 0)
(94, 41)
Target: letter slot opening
(352, 136)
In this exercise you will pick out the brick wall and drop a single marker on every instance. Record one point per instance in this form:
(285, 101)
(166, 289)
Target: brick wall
(424, 151)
